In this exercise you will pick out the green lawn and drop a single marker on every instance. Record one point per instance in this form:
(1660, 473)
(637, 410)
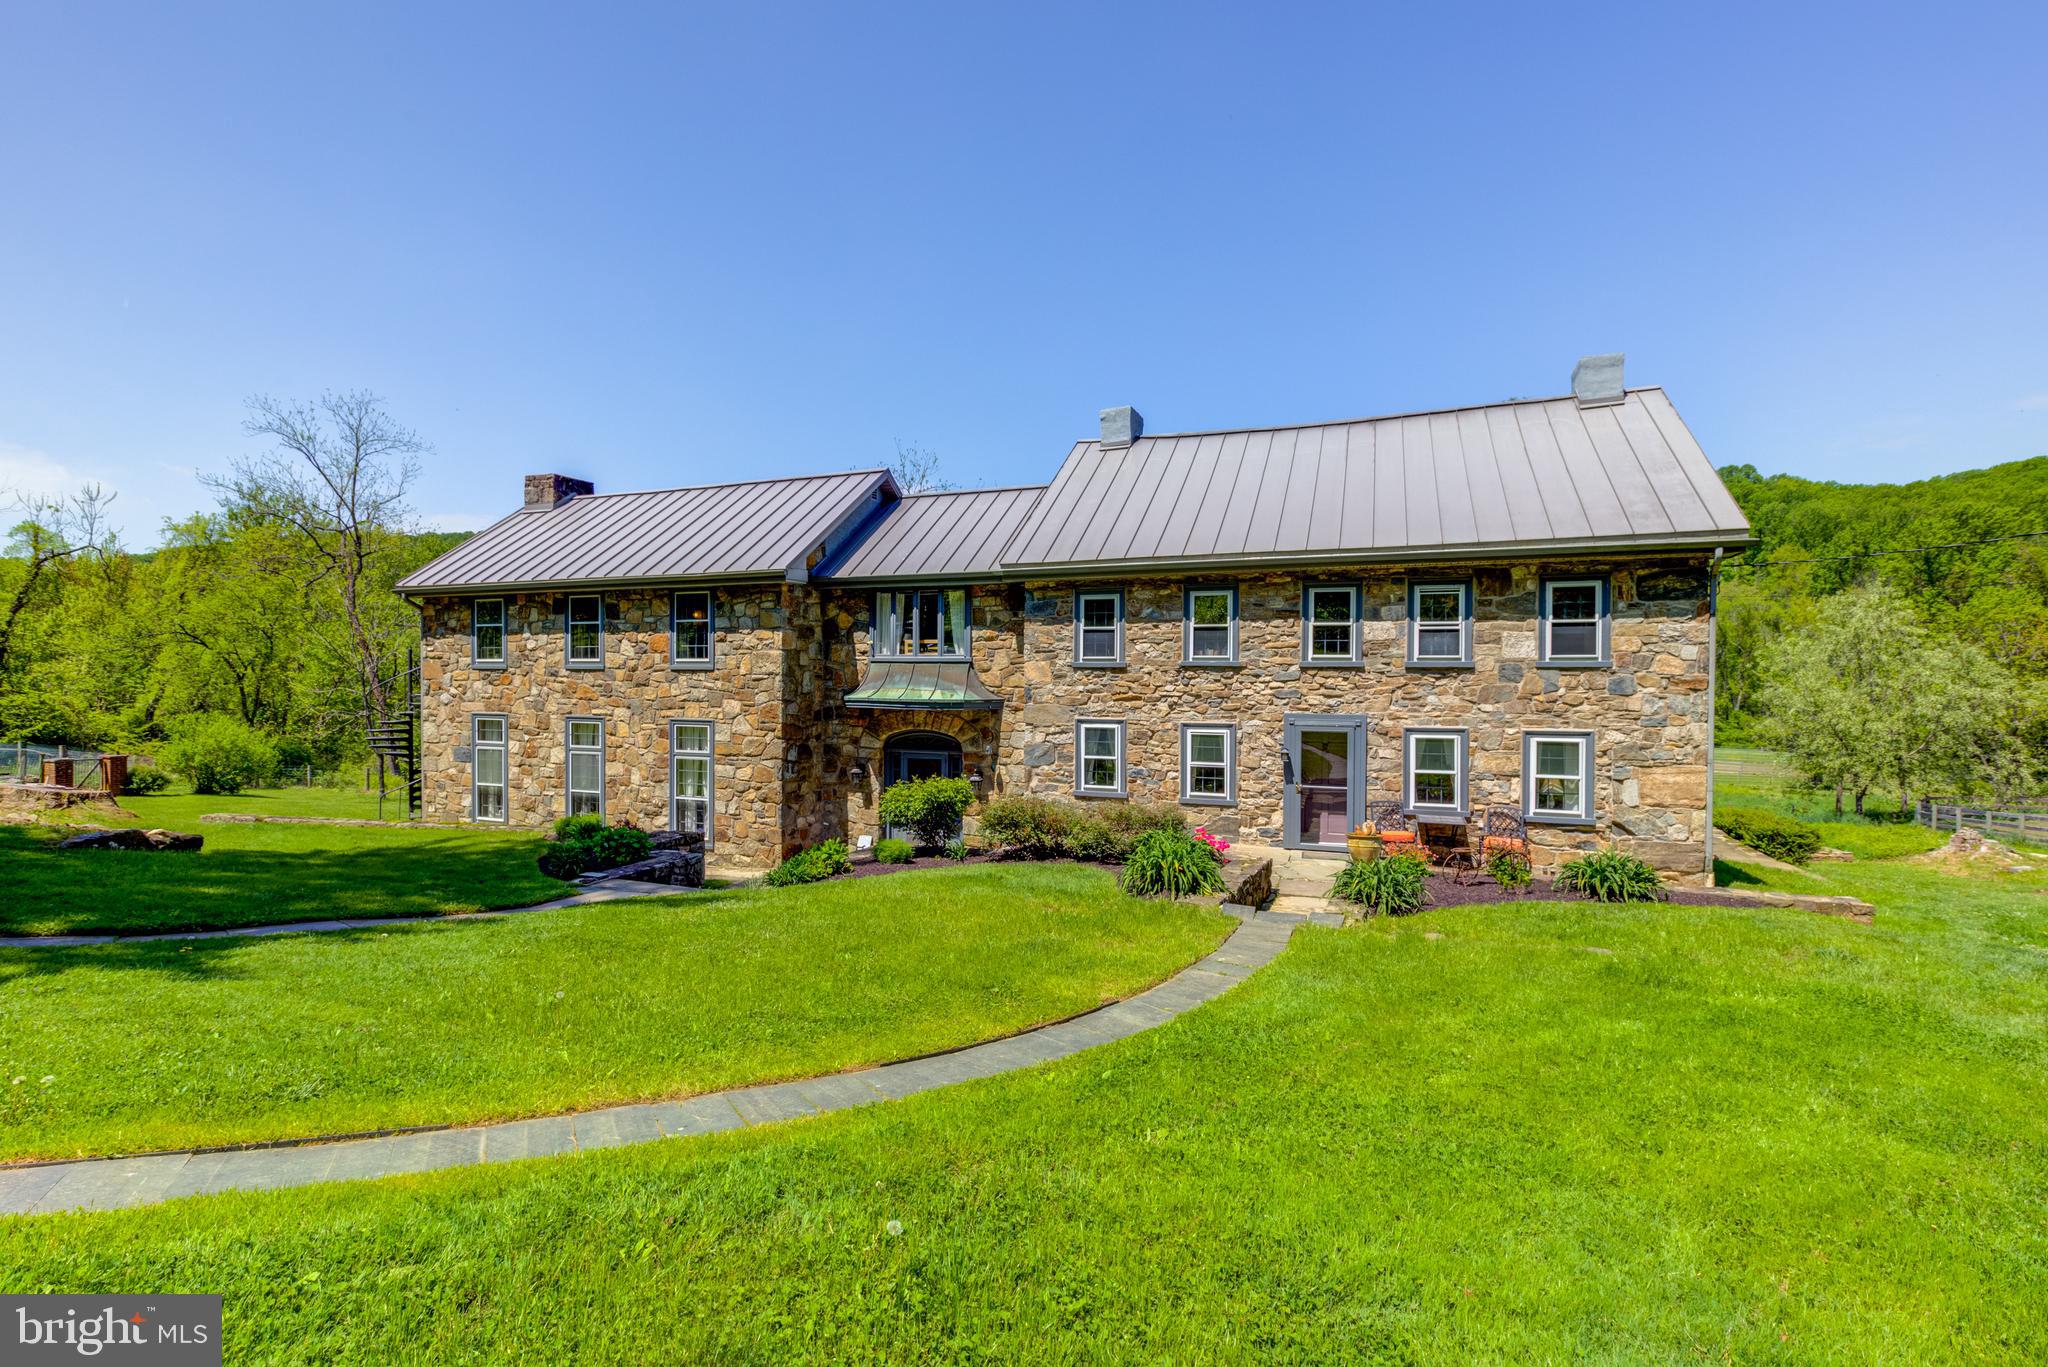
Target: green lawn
(258, 873)
(1737, 1135)
(176, 1045)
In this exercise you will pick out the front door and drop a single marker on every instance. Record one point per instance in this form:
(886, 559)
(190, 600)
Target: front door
(1325, 779)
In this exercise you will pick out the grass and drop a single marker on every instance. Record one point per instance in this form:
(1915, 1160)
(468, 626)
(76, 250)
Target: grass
(257, 874)
(176, 1045)
(1731, 1135)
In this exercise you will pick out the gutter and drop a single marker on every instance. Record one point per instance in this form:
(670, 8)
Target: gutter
(1713, 673)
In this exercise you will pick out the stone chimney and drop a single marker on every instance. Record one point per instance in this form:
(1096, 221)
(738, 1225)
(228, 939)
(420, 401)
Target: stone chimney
(1596, 380)
(1122, 426)
(551, 491)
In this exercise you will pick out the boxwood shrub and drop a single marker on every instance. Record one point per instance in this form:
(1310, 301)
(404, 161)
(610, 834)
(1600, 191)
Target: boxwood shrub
(1766, 832)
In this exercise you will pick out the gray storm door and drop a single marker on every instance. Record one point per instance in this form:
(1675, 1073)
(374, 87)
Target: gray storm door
(1324, 789)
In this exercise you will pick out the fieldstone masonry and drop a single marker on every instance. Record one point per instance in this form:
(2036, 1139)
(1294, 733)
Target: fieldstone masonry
(794, 763)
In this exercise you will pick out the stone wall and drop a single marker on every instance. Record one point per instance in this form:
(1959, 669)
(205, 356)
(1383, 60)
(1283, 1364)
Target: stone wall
(1649, 711)
(637, 695)
(794, 764)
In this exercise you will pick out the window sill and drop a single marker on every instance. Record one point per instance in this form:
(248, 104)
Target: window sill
(1100, 664)
(1575, 664)
(495, 665)
(584, 667)
(1112, 794)
(693, 666)
(1558, 819)
(1441, 664)
(1191, 801)
(1212, 664)
(1438, 816)
(916, 659)
(1333, 664)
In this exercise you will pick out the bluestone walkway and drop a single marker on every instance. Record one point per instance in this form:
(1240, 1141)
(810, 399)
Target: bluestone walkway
(109, 1183)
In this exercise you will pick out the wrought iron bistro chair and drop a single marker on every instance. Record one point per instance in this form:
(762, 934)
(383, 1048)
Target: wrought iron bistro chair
(1397, 832)
(1503, 830)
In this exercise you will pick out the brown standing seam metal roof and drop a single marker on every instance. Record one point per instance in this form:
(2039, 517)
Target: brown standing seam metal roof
(937, 536)
(762, 527)
(1519, 475)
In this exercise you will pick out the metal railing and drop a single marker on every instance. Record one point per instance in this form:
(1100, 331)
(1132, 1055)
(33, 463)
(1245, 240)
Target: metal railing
(22, 761)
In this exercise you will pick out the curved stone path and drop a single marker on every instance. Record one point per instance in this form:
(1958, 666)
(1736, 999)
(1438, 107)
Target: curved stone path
(109, 1183)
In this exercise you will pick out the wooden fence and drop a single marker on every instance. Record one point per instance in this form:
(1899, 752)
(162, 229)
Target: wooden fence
(2028, 822)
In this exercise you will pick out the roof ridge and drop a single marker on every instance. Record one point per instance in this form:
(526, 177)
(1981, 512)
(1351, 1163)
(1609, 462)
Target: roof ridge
(1371, 417)
(957, 493)
(734, 483)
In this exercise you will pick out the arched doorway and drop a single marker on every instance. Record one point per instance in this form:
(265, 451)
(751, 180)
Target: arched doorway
(918, 754)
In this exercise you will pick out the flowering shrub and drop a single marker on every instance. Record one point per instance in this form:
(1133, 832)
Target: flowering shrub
(1216, 843)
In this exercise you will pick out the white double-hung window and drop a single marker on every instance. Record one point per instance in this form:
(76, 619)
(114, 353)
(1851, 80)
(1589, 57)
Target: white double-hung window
(1099, 627)
(690, 777)
(921, 624)
(1212, 626)
(1329, 615)
(1439, 624)
(1099, 758)
(1574, 621)
(1434, 771)
(586, 766)
(1208, 764)
(487, 631)
(689, 629)
(586, 631)
(1557, 776)
(487, 768)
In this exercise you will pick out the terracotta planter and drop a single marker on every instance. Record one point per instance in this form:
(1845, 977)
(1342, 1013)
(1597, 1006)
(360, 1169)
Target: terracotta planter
(1364, 848)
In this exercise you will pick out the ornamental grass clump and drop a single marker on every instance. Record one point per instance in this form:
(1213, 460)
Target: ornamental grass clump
(1167, 863)
(1393, 886)
(1611, 876)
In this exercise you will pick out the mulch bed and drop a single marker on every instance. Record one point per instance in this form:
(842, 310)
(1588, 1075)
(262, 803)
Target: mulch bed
(1444, 892)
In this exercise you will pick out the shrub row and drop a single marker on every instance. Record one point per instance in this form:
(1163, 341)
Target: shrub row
(1780, 837)
(1105, 833)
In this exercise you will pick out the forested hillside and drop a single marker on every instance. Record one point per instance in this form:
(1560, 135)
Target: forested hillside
(1992, 596)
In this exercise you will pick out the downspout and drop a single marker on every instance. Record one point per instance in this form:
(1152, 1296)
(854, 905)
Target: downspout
(1713, 669)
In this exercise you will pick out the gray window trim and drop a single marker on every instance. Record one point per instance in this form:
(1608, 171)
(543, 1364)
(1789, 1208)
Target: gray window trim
(1187, 633)
(1462, 809)
(885, 624)
(1123, 758)
(710, 753)
(1118, 595)
(710, 660)
(1529, 813)
(476, 660)
(568, 634)
(505, 746)
(1413, 626)
(1187, 796)
(1309, 589)
(568, 725)
(1605, 658)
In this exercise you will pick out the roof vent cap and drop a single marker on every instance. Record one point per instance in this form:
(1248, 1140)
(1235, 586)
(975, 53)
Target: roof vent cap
(1122, 426)
(1596, 380)
(550, 491)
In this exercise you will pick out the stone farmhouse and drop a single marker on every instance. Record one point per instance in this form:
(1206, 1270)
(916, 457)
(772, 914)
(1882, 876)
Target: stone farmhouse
(1505, 605)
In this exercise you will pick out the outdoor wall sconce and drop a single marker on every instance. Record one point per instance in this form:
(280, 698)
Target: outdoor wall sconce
(860, 770)
(974, 775)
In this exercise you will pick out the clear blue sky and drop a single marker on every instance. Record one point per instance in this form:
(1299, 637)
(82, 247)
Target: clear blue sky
(670, 248)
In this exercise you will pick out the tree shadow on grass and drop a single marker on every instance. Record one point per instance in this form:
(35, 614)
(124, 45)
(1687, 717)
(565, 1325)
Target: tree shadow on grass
(1730, 875)
(222, 887)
